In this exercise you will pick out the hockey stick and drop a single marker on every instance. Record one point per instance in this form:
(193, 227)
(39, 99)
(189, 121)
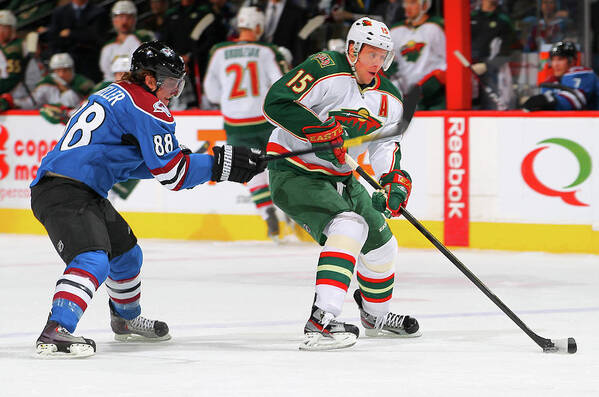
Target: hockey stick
(410, 102)
(548, 345)
(488, 89)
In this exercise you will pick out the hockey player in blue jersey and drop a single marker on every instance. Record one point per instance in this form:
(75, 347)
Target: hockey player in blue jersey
(121, 132)
(570, 87)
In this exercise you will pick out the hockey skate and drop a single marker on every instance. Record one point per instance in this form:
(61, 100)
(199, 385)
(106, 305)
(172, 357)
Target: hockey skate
(140, 329)
(272, 223)
(56, 342)
(389, 325)
(323, 332)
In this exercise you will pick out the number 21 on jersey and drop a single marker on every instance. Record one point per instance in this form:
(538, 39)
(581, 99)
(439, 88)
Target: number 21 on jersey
(238, 70)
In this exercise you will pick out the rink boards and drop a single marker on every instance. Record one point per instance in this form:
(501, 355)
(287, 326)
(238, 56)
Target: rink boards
(505, 180)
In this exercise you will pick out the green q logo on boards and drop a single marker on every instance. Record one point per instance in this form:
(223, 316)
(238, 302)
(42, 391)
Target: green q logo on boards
(566, 193)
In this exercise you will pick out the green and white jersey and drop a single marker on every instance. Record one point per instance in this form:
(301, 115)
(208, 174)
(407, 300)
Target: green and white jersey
(47, 91)
(324, 86)
(418, 50)
(114, 49)
(238, 77)
(12, 68)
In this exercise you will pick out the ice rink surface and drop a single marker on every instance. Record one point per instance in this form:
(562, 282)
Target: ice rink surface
(236, 313)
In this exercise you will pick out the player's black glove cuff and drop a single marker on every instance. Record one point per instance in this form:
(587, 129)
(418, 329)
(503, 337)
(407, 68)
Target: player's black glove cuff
(540, 102)
(236, 164)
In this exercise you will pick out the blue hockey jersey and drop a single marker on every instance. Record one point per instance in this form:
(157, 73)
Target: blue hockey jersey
(124, 132)
(585, 90)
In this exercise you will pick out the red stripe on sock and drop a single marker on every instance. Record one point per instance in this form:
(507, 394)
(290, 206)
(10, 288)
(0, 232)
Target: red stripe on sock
(340, 255)
(375, 280)
(264, 204)
(71, 297)
(128, 300)
(372, 300)
(83, 273)
(333, 283)
(252, 190)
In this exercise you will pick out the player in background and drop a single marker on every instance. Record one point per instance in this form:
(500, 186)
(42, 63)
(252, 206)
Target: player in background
(419, 43)
(327, 98)
(575, 87)
(124, 131)
(124, 18)
(62, 87)
(12, 67)
(238, 77)
(120, 65)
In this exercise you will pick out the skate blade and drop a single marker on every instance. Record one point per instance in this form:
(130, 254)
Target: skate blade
(50, 351)
(376, 333)
(314, 341)
(140, 338)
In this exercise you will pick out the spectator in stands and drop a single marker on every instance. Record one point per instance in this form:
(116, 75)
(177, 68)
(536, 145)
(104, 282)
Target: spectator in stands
(492, 40)
(80, 28)
(12, 66)
(419, 44)
(120, 65)
(124, 18)
(570, 87)
(180, 21)
(62, 87)
(549, 28)
(284, 20)
(155, 21)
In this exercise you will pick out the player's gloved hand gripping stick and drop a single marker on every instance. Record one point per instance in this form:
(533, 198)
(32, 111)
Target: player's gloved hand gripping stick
(548, 345)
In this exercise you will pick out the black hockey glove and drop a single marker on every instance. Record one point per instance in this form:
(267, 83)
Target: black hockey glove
(540, 102)
(236, 164)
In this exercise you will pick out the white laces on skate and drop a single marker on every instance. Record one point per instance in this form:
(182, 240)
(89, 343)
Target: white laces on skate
(326, 319)
(390, 320)
(142, 323)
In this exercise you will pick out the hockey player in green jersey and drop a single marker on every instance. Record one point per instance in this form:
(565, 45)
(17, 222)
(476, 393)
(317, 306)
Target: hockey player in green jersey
(328, 98)
(238, 77)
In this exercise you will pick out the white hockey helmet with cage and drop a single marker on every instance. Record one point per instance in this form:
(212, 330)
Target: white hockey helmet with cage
(250, 17)
(8, 18)
(368, 31)
(124, 7)
(62, 60)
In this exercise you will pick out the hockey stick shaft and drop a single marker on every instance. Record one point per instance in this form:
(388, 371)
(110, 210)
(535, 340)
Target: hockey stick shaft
(542, 342)
(410, 103)
(488, 89)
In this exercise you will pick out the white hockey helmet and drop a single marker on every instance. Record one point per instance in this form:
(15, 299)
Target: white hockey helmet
(8, 18)
(368, 31)
(425, 5)
(120, 64)
(61, 60)
(249, 18)
(124, 7)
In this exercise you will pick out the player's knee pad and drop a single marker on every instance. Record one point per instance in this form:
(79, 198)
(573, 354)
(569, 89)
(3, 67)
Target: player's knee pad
(94, 265)
(347, 231)
(126, 265)
(381, 259)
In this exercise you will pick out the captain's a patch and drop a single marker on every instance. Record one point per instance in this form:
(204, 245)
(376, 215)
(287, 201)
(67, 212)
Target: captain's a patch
(323, 59)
